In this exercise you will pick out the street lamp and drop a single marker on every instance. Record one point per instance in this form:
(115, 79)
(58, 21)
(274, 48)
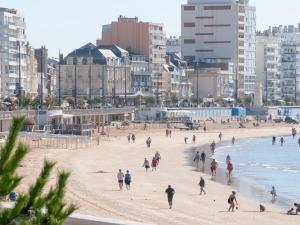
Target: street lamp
(75, 78)
(20, 79)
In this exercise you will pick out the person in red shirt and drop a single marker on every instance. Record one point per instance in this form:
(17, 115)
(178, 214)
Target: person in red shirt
(154, 164)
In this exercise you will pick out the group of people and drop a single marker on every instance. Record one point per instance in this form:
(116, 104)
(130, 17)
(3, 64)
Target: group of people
(154, 163)
(124, 178)
(131, 137)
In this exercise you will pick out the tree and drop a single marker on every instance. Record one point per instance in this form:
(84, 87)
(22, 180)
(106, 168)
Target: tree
(288, 99)
(81, 102)
(96, 100)
(35, 207)
(70, 100)
(150, 100)
(247, 100)
(25, 101)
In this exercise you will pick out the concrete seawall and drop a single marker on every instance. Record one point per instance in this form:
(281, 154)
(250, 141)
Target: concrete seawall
(77, 219)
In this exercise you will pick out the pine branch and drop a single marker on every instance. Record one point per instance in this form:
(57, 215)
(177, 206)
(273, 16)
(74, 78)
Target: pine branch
(15, 128)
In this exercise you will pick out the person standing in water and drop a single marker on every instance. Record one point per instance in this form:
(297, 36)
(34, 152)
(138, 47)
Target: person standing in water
(229, 169)
(273, 140)
(281, 141)
(213, 168)
(228, 159)
(233, 140)
(213, 147)
(203, 157)
(231, 201)
(170, 193)
(197, 159)
(202, 185)
(120, 177)
(273, 193)
(127, 180)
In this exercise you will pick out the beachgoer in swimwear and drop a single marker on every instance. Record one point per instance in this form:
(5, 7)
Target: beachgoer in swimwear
(231, 201)
(202, 185)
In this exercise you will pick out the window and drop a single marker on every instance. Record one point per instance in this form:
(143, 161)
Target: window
(189, 8)
(200, 34)
(204, 50)
(189, 41)
(217, 42)
(217, 7)
(189, 25)
(217, 25)
(204, 17)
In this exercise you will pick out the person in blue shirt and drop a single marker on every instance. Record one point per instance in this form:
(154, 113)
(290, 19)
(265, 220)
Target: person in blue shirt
(127, 180)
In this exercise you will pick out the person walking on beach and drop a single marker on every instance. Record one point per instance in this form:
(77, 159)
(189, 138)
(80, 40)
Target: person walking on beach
(186, 139)
(233, 140)
(204, 129)
(231, 201)
(128, 138)
(154, 164)
(220, 136)
(133, 138)
(127, 180)
(273, 193)
(167, 132)
(120, 177)
(157, 157)
(170, 193)
(273, 140)
(202, 185)
(229, 169)
(213, 168)
(170, 133)
(146, 164)
(294, 132)
(197, 159)
(148, 142)
(194, 139)
(281, 141)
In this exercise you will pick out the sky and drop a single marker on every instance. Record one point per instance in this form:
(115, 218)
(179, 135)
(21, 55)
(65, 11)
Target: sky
(69, 24)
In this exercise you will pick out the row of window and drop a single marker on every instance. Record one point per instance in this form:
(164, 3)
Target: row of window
(193, 41)
(192, 24)
(209, 8)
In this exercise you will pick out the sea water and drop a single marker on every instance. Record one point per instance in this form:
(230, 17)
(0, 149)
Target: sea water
(259, 165)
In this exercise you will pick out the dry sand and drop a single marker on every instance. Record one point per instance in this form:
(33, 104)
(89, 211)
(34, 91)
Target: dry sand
(93, 183)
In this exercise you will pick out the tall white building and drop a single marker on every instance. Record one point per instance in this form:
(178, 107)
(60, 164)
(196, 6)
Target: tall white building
(221, 31)
(12, 34)
(268, 66)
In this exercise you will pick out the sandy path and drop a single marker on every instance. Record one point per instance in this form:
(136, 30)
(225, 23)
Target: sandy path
(93, 184)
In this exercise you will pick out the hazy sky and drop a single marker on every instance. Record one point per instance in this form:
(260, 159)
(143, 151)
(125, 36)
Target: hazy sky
(68, 24)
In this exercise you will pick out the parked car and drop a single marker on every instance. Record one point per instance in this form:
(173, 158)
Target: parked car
(191, 125)
(291, 120)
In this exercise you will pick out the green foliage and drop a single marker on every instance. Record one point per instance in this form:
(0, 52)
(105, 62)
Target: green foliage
(70, 100)
(94, 101)
(25, 101)
(35, 207)
(289, 99)
(150, 100)
(81, 102)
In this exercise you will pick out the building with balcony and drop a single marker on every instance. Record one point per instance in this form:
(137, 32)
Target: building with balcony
(268, 66)
(88, 72)
(140, 74)
(221, 31)
(12, 52)
(139, 38)
(173, 45)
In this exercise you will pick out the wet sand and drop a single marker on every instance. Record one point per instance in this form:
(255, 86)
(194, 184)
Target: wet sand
(93, 183)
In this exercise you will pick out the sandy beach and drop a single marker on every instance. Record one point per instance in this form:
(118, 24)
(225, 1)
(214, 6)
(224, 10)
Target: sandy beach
(93, 184)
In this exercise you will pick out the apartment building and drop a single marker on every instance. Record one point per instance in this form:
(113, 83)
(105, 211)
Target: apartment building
(12, 52)
(173, 45)
(268, 66)
(221, 31)
(139, 38)
(87, 72)
(140, 74)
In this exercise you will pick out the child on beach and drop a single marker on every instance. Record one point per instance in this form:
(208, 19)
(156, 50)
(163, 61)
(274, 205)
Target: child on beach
(120, 177)
(146, 164)
(148, 142)
(231, 201)
(127, 180)
(186, 139)
(202, 185)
